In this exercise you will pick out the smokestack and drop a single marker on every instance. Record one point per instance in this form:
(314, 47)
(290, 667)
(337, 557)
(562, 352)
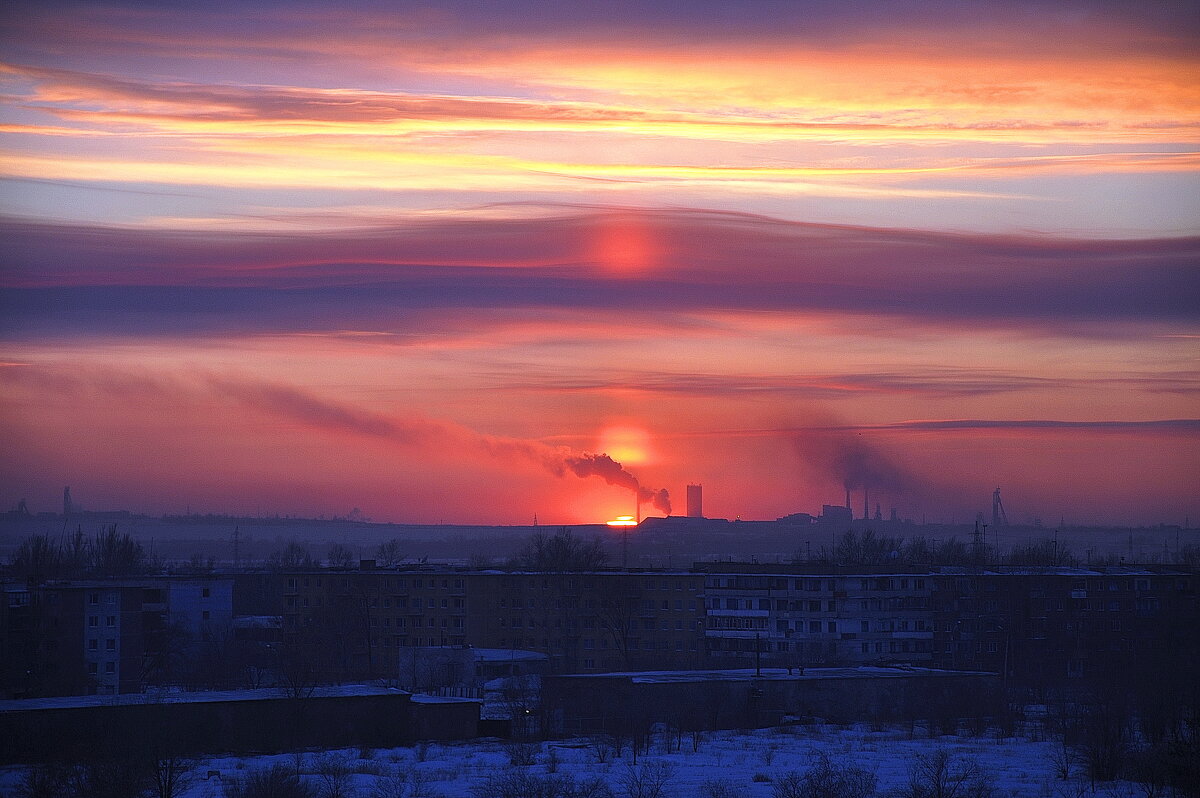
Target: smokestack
(866, 505)
(695, 501)
(848, 498)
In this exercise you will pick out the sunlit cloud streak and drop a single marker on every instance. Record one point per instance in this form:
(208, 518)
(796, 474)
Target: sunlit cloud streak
(311, 116)
(1185, 427)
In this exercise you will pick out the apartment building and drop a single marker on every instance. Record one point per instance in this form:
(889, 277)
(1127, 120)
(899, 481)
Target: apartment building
(788, 616)
(1039, 626)
(594, 621)
(1033, 625)
(104, 636)
(359, 621)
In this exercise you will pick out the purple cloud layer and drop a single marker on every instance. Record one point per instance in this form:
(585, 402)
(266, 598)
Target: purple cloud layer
(99, 281)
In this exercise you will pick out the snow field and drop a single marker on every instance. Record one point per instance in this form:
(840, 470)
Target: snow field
(746, 761)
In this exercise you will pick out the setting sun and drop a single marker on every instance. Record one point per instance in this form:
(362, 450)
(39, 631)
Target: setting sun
(627, 445)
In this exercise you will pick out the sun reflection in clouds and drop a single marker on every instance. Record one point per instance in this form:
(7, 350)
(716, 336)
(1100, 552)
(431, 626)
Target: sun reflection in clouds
(625, 243)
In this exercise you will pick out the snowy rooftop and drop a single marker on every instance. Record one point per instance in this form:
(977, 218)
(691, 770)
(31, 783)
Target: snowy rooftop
(772, 674)
(508, 655)
(258, 622)
(128, 699)
(444, 699)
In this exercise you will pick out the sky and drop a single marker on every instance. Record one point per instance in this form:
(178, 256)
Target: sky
(480, 262)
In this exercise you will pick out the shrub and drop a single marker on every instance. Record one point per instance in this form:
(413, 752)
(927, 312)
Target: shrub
(334, 773)
(522, 754)
(47, 781)
(399, 784)
(720, 788)
(939, 775)
(522, 784)
(648, 780)
(274, 782)
(826, 779)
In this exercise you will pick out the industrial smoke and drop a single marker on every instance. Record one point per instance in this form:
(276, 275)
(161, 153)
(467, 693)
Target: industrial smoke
(612, 472)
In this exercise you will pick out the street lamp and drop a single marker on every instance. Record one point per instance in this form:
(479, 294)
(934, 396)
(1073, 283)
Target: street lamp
(623, 522)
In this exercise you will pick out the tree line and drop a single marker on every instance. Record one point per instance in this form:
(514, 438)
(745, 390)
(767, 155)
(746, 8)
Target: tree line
(107, 553)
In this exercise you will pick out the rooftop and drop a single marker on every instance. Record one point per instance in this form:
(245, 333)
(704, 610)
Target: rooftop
(171, 697)
(773, 674)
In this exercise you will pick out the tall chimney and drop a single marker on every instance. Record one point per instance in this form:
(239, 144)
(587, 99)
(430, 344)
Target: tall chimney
(866, 505)
(848, 500)
(695, 501)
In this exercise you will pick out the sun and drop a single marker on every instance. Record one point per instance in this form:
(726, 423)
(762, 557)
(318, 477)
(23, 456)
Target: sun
(628, 445)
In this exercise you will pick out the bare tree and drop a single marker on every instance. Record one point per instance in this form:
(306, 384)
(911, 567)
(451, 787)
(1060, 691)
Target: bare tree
(647, 780)
(334, 773)
(278, 781)
(389, 554)
(826, 779)
(940, 775)
(116, 554)
(172, 775)
(292, 556)
(339, 556)
(561, 551)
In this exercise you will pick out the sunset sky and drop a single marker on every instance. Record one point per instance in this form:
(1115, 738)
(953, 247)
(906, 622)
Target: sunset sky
(469, 262)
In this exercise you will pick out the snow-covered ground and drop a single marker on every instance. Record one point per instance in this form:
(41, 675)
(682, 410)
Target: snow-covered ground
(747, 761)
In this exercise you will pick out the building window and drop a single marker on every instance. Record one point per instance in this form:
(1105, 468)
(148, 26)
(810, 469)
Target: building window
(111, 620)
(205, 614)
(206, 593)
(93, 620)
(110, 667)
(93, 667)
(93, 645)
(110, 644)
(93, 598)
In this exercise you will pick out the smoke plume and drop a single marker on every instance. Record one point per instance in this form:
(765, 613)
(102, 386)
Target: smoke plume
(845, 453)
(612, 472)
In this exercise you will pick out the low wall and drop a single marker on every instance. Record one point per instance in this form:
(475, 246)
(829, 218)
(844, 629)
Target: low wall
(204, 723)
(618, 703)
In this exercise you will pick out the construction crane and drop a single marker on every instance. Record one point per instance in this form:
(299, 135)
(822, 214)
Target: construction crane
(998, 516)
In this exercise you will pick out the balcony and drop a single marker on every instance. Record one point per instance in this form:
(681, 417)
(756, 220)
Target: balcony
(739, 613)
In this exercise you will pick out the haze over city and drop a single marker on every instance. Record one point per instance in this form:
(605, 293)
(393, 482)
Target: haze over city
(446, 263)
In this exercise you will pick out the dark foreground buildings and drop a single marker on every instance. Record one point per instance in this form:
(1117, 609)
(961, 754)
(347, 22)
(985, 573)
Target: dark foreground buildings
(1038, 628)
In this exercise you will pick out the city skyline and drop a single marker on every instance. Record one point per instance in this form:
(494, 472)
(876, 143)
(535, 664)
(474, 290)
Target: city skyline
(445, 264)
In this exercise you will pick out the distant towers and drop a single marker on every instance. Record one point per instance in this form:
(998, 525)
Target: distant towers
(66, 501)
(998, 516)
(695, 501)
(866, 504)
